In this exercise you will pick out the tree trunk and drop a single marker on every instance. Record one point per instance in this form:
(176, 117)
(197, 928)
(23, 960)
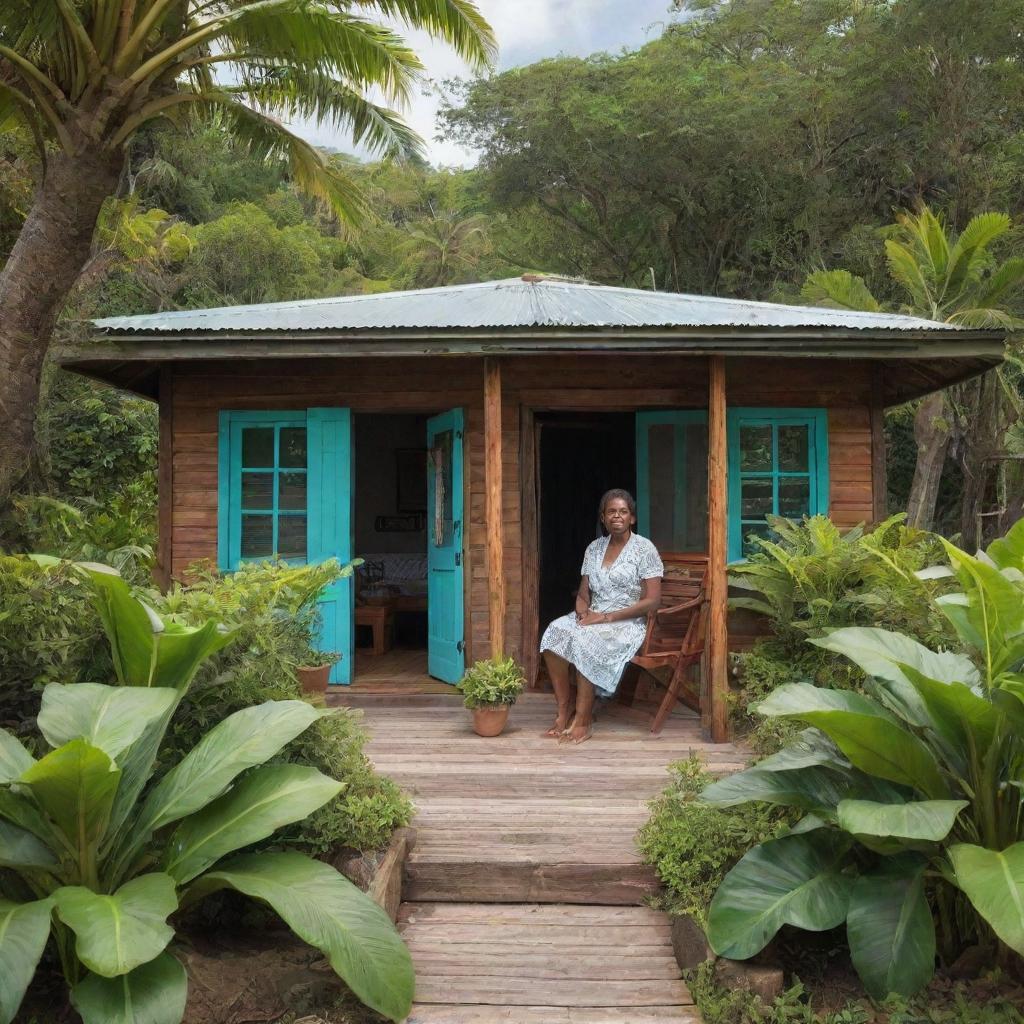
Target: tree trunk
(44, 264)
(931, 432)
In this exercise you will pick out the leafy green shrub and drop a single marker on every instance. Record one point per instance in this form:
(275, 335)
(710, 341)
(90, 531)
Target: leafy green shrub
(693, 845)
(49, 632)
(814, 578)
(92, 841)
(270, 608)
(492, 681)
(911, 792)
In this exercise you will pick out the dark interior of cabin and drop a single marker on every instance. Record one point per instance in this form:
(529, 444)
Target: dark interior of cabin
(581, 455)
(390, 535)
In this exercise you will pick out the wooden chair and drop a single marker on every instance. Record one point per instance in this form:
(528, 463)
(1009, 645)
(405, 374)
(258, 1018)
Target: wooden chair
(676, 631)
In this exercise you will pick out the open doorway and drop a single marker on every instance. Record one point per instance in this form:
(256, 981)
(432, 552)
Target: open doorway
(390, 527)
(580, 456)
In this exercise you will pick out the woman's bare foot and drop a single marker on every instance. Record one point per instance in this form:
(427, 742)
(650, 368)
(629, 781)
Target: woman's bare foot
(561, 723)
(579, 732)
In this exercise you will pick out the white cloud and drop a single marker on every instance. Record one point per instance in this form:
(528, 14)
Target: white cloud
(526, 30)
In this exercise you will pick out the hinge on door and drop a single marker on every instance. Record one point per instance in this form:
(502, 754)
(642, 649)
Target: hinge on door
(458, 558)
(460, 646)
(458, 435)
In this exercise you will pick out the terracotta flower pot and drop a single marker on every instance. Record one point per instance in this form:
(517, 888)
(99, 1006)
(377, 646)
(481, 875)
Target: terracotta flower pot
(313, 678)
(490, 721)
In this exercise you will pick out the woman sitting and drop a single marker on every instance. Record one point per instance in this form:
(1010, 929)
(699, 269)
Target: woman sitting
(620, 586)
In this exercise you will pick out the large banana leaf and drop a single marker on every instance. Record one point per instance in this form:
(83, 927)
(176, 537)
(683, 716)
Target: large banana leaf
(24, 929)
(326, 910)
(814, 788)
(261, 803)
(992, 620)
(14, 758)
(882, 654)
(924, 820)
(180, 650)
(890, 929)
(19, 848)
(956, 712)
(109, 717)
(796, 880)
(994, 883)
(868, 735)
(127, 625)
(1008, 552)
(75, 785)
(243, 740)
(117, 932)
(154, 993)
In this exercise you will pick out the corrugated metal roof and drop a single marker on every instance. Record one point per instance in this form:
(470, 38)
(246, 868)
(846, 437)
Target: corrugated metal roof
(528, 301)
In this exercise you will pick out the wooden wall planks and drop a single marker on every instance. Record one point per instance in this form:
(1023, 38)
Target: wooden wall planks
(199, 391)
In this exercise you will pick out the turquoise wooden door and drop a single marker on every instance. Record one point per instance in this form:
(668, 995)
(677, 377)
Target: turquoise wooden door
(286, 492)
(672, 478)
(330, 530)
(445, 642)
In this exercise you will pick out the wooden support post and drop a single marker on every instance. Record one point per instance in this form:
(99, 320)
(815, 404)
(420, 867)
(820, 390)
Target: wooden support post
(164, 479)
(879, 484)
(492, 507)
(718, 522)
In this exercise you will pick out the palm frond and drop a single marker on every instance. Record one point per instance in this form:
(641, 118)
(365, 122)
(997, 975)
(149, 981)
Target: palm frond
(306, 35)
(906, 269)
(969, 249)
(297, 92)
(457, 22)
(266, 139)
(986, 318)
(839, 289)
(1008, 278)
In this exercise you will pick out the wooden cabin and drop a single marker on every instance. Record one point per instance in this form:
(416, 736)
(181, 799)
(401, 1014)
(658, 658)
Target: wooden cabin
(458, 439)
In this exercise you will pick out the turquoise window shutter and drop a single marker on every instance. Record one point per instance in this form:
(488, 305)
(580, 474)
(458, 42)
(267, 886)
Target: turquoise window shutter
(330, 530)
(285, 491)
(778, 465)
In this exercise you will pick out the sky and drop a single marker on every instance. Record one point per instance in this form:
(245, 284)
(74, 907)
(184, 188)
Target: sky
(527, 30)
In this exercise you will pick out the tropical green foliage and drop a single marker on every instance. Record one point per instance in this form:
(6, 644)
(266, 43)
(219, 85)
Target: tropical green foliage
(491, 681)
(810, 578)
(692, 845)
(910, 792)
(101, 859)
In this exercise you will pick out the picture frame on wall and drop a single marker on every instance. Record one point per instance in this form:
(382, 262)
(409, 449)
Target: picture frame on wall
(411, 480)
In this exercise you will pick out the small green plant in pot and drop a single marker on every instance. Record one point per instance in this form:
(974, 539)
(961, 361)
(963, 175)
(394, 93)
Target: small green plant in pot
(489, 689)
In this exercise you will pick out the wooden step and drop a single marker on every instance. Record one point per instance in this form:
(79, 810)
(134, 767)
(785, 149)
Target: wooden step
(543, 964)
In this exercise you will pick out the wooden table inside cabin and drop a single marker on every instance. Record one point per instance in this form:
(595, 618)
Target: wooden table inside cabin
(381, 619)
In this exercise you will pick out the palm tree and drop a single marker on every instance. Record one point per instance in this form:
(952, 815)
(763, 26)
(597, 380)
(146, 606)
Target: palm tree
(950, 279)
(444, 245)
(85, 75)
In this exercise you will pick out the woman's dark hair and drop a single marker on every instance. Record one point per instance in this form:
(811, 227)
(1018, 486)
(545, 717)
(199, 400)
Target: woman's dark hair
(615, 492)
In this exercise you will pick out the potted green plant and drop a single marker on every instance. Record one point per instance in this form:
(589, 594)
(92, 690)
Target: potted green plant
(315, 674)
(489, 689)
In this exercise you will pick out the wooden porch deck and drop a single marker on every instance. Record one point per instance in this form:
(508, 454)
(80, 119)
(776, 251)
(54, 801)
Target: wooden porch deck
(525, 890)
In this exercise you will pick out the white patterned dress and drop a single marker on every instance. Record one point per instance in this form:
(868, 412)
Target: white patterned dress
(600, 652)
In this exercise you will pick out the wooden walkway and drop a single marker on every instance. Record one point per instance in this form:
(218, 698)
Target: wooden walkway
(525, 891)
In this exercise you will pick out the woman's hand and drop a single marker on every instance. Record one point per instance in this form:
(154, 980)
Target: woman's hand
(592, 618)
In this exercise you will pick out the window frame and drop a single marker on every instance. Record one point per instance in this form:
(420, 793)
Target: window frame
(231, 423)
(816, 419)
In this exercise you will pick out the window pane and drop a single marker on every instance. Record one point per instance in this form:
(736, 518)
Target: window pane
(441, 482)
(293, 447)
(756, 498)
(794, 496)
(749, 533)
(257, 536)
(756, 449)
(258, 447)
(661, 470)
(292, 492)
(258, 490)
(291, 537)
(793, 449)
